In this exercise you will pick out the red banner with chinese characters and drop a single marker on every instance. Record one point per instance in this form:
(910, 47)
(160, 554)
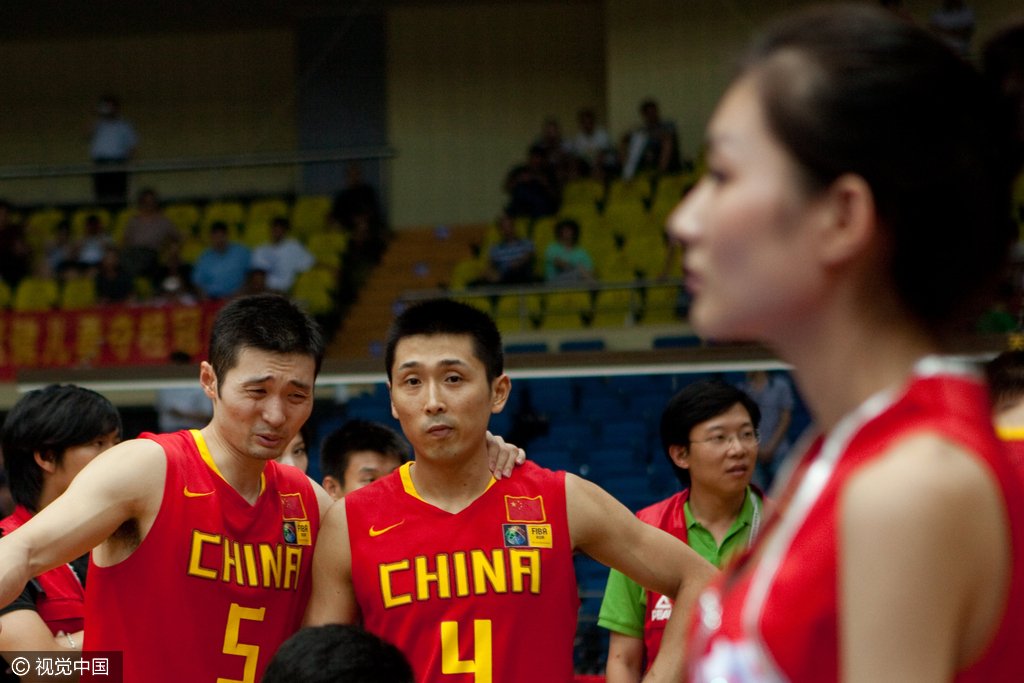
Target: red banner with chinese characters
(103, 337)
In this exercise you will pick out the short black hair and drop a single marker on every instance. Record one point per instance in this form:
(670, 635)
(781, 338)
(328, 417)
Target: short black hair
(218, 226)
(49, 421)
(337, 654)
(282, 221)
(268, 322)
(359, 435)
(699, 402)
(445, 316)
(1005, 374)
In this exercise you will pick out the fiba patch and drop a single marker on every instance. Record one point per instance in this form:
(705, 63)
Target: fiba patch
(297, 533)
(526, 535)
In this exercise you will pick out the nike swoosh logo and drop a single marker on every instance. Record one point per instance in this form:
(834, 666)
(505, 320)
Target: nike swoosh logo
(189, 494)
(374, 532)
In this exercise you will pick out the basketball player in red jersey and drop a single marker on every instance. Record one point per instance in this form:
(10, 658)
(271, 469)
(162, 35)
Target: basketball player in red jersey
(855, 205)
(470, 577)
(202, 547)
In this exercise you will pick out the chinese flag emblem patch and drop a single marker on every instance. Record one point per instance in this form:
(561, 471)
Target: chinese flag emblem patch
(292, 507)
(523, 509)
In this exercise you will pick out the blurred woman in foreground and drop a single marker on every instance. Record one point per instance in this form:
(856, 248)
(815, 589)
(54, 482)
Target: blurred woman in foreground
(854, 212)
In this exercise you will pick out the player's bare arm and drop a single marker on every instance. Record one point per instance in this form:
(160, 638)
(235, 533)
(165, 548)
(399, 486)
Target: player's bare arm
(323, 499)
(124, 484)
(599, 525)
(333, 600)
(625, 659)
(927, 503)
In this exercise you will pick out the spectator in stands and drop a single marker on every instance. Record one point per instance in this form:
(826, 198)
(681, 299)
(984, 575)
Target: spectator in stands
(172, 279)
(954, 23)
(564, 259)
(358, 199)
(533, 186)
(358, 454)
(113, 143)
(296, 453)
(61, 249)
(510, 261)
(337, 654)
(592, 144)
(14, 248)
(774, 397)
(93, 244)
(282, 258)
(709, 435)
(114, 285)
(653, 146)
(146, 234)
(255, 282)
(220, 271)
(557, 149)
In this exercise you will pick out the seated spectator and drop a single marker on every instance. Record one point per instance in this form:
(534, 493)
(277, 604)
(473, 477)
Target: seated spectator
(564, 259)
(172, 280)
(651, 147)
(358, 454)
(282, 258)
(511, 259)
(592, 146)
(61, 250)
(38, 292)
(94, 243)
(114, 285)
(146, 234)
(220, 271)
(337, 654)
(533, 187)
(15, 253)
(557, 149)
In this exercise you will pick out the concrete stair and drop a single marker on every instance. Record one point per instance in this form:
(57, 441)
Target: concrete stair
(418, 258)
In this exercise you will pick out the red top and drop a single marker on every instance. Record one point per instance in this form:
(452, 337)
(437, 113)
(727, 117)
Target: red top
(488, 594)
(1013, 438)
(61, 603)
(776, 619)
(217, 584)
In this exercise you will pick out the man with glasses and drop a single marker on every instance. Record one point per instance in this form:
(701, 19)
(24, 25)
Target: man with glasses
(709, 434)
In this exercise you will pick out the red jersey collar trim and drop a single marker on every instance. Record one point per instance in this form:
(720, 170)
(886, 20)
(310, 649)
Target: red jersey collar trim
(405, 472)
(204, 453)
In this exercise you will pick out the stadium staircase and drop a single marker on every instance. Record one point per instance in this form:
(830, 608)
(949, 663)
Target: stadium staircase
(418, 258)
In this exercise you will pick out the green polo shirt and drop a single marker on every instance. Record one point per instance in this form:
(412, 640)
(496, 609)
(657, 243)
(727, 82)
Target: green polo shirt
(624, 607)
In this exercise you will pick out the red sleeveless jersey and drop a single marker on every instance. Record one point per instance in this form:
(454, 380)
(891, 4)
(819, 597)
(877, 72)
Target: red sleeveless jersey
(61, 603)
(217, 584)
(776, 619)
(1013, 439)
(488, 594)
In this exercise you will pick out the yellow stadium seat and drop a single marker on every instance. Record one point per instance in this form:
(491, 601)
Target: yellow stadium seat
(614, 266)
(143, 287)
(660, 305)
(625, 218)
(647, 254)
(637, 188)
(615, 307)
(584, 214)
(79, 217)
(184, 216)
(312, 290)
(328, 247)
(566, 310)
(78, 294)
(517, 314)
(465, 272)
(255, 233)
(261, 214)
(232, 213)
(36, 295)
(191, 249)
(543, 235)
(583, 192)
(40, 227)
(481, 303)
(308, 215)
(123, 216)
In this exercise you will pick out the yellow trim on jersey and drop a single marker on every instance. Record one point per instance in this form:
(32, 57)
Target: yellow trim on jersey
(405, 473)
(1010, 433)
(208, 459)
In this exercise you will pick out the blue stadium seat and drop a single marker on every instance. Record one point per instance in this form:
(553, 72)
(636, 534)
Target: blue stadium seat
(580, 432)
(501, 424)
(552, 397)
(680, 342)
(624, 432)
(539, 347)
(611, 462)
(600, 407)
(582, 345)
(553, 460)
(648, 406)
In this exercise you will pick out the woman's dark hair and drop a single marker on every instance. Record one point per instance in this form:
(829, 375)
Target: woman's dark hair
(572, 225)
(854, 89)
(49, 421)
(445, 316)
(699, 402)
(267, 322)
